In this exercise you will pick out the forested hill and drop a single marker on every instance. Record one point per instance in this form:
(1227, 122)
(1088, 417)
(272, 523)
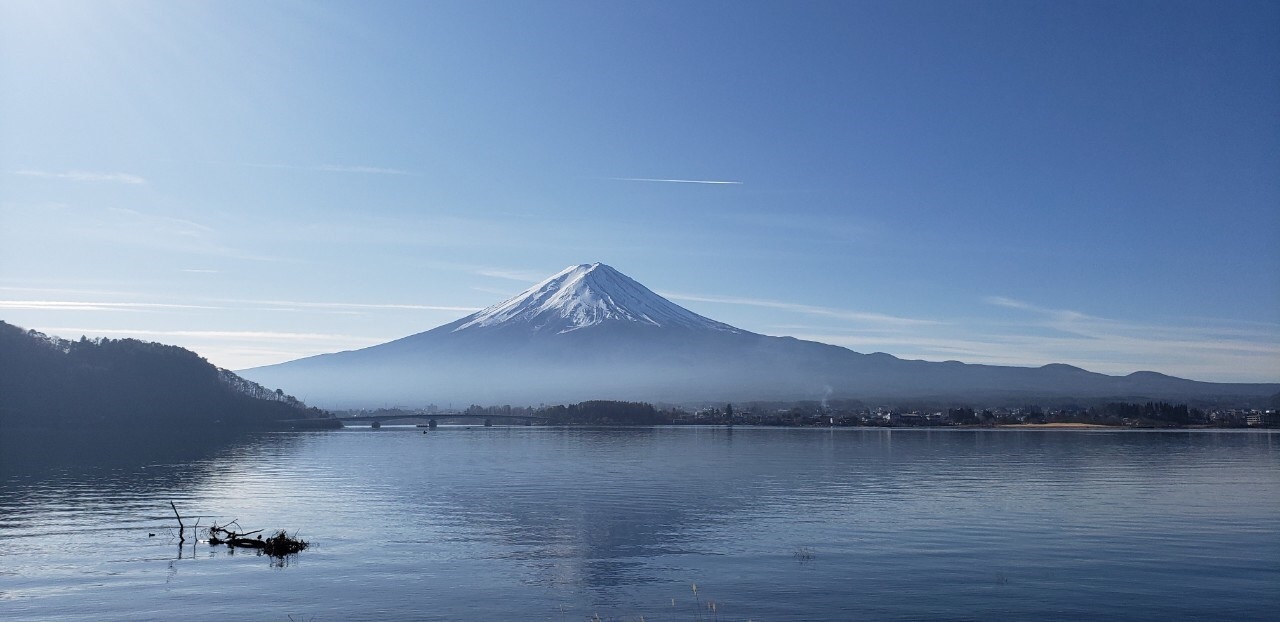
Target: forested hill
(51, 382)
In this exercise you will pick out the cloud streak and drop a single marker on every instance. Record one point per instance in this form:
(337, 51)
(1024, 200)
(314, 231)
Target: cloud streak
(351, 306)
(337, 168)
(255, 335)
(857, 316)
(1079, 324)
(225, 304)
(121, 225)
(372, 170)
(525, 276)
(85, 176)
(63, 305)
(1018, 305)
(713, 182)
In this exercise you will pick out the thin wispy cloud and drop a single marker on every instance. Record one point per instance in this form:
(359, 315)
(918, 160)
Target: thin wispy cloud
(1091, 326)
(222, 304)
(1011, 303)
(714, 182)
(161, 232)
(85, 176)
(336, 168)
(1008, 303)
(858, 316)
(252, 335)
(64, 305)
(164, 225)
(353, 306)
(63, 291)
(526, 276)
(373, 170)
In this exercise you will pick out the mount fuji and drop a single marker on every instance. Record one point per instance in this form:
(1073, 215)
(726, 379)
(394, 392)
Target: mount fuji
(586, 296)
(591, 332)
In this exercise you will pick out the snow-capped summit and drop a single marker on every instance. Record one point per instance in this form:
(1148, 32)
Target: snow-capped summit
(588, 295)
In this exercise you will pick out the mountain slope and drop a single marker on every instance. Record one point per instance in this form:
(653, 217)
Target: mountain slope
(591, 332)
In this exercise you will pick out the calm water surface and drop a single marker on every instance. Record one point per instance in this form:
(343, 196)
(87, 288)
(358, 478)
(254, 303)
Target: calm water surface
(564, 524)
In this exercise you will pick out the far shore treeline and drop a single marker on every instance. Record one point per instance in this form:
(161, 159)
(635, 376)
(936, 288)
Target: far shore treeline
(845, 413)
(47, 382)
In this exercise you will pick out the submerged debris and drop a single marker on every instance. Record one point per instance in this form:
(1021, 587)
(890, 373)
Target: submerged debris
(278, 545)
(282, 544)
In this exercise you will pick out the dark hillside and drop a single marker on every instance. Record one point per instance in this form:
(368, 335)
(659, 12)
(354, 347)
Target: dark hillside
(51, 382)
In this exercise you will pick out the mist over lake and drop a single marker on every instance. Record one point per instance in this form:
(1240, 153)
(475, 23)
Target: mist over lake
(566, 523)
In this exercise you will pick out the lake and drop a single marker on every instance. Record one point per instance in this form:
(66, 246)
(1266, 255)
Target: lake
(533, 523)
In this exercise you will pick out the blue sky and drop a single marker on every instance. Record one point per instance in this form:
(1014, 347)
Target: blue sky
(1094, 183)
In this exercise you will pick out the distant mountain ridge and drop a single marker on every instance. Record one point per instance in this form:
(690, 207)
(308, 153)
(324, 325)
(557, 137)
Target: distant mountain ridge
(591, 332)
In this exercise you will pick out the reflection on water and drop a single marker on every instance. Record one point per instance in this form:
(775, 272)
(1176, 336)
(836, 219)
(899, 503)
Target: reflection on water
(565, 523)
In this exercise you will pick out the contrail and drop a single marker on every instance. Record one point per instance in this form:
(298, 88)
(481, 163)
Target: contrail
(678, 181)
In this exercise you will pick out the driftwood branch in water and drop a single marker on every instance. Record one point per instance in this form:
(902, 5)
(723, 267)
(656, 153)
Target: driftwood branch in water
(182, 529)
(278, 545)
(223, 535)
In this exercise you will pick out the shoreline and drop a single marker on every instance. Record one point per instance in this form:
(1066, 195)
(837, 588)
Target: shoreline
(1062, 426)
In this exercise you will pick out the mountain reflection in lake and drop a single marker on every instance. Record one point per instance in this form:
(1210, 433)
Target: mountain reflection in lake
(561, 524)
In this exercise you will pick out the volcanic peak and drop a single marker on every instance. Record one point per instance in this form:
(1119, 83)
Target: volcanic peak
(588, 295)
